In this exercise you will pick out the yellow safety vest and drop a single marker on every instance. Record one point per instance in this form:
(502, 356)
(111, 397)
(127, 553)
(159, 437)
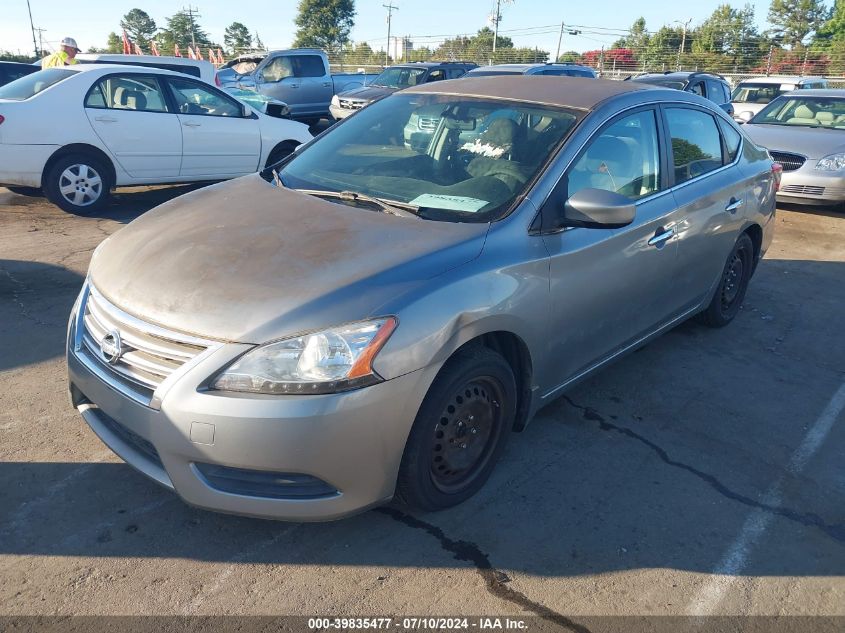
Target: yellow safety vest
(59, 58)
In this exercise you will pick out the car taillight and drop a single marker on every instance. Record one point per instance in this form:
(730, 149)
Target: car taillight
(217, 80)
(777, 171)
(2, 118)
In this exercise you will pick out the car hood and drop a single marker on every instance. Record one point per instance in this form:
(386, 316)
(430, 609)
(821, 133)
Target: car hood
(812, 142)
(367, 93)
(249, 262)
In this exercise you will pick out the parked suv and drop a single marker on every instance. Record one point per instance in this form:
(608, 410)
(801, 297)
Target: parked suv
(708, 85)
(566, 70)
(9, 71)
(752, 95)
(393, 79)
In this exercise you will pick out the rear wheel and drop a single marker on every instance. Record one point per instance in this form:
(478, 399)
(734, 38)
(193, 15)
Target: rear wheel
(729, 295)
(460, 431)
(27, 191)
(78, 183)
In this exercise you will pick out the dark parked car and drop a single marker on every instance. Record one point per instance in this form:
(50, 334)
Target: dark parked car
(9, 71)
(396, 78)
(565, 70)
(707, 85)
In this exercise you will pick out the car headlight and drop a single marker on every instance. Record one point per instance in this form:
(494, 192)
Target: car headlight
(336, 359)
(335, 101)
(834, 162)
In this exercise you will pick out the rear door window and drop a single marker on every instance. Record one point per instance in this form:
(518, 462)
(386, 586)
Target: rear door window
(308, 66)
(31, 85)
(696, 143)
(127, 92)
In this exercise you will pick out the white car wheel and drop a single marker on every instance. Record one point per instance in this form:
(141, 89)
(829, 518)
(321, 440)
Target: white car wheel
(81, 185)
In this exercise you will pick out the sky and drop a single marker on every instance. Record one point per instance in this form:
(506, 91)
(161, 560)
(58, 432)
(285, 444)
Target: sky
(527, 22)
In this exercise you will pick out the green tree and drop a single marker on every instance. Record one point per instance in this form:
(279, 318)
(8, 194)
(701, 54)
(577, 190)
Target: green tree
(114, 43)
(637, 38)
(178, 31)
(793, 20)
(139, 26)
(236, 37)
(324, 24)
(730, 34)
(569, 57)
(258, 43)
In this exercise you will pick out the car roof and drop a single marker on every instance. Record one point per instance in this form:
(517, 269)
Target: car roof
(678, 74)
(139, 70)
(817, 92)
(780, 80)
(161, 59)
(10, 63)
(581, 93)
(522, 67)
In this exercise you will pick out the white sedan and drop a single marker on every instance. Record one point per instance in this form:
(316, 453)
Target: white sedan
(77, 132)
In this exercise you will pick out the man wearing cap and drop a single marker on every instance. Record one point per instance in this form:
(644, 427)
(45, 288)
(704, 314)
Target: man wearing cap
(64, 57)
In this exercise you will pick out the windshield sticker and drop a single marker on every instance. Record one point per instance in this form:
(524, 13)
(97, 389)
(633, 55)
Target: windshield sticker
(454, 203)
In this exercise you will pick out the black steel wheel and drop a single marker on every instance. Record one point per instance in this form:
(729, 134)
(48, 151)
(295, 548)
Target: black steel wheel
(730, 293)
(460, 431)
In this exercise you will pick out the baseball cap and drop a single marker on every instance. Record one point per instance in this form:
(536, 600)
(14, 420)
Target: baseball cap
(69, 41)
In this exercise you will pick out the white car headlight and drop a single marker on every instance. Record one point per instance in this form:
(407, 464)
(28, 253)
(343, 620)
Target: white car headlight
(335, 101)
(834, 162)
(337, 359)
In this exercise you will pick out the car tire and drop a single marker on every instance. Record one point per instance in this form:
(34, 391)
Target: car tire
(459, 432)
(280, 152)
(32, 192)
(78, 183)
(733, 283)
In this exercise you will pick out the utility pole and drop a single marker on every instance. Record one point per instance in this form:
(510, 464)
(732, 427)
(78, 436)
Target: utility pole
(560, 37)
(769, 60)
(41, 38)
(496, 19)
(601, 62)
(192, 12)
(804, 65)
(32, 26)
(390, 9)
(683, 41)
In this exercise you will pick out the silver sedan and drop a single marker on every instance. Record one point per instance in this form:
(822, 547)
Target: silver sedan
(367, 320)
(805, 133)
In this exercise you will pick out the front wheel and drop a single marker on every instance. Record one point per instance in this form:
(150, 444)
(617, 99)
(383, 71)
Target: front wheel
(730, 293)
(78, 183)
(460, 431)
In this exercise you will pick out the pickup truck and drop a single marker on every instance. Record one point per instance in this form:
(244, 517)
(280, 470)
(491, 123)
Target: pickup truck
(299, 77)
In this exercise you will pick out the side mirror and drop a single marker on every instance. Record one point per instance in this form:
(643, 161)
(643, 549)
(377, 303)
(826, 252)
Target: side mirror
(598, 209)
(246, 112)
(259, 78)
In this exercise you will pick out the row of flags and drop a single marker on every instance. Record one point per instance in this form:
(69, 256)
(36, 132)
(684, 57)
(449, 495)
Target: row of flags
(132, 48)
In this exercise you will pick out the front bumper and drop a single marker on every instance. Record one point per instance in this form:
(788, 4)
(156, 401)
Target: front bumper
(352, 441)
(808, 185)
(339, 112)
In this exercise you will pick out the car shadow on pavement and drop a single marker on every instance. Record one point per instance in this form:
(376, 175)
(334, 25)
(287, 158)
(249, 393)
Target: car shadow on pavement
(656, 462)
(35, 301)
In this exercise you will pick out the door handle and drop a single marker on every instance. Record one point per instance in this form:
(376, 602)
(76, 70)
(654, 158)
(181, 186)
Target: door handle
(293, 85)
(661, 236)
(734, 204)
(105, 119)
(327, 84)
(191, 124)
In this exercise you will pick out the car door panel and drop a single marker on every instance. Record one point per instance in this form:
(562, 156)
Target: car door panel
(217, 141)
(146, 143)
(610, 287)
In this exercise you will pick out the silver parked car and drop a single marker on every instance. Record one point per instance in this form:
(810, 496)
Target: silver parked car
(805, 133)
(369, 320)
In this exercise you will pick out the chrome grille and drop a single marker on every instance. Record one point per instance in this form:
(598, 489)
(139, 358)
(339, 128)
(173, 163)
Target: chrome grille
(789, 162)
(428, 123)
(351, 105)
(810, 190)
(149, 354)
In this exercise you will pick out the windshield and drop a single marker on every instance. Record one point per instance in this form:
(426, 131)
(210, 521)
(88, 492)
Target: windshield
(31, 85)
(664, 83)
(758, 93)
(457, 158)
(804, 111)
(398, 77)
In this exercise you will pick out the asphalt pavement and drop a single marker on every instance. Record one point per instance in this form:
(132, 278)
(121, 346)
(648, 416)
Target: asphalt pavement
(701, 475)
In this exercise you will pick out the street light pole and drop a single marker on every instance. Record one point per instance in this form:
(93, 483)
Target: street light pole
(560, 37)
(683, 41)
(390, 9)
(32, 26)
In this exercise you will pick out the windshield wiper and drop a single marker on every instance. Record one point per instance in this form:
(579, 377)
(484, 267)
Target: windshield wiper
(394, 207)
